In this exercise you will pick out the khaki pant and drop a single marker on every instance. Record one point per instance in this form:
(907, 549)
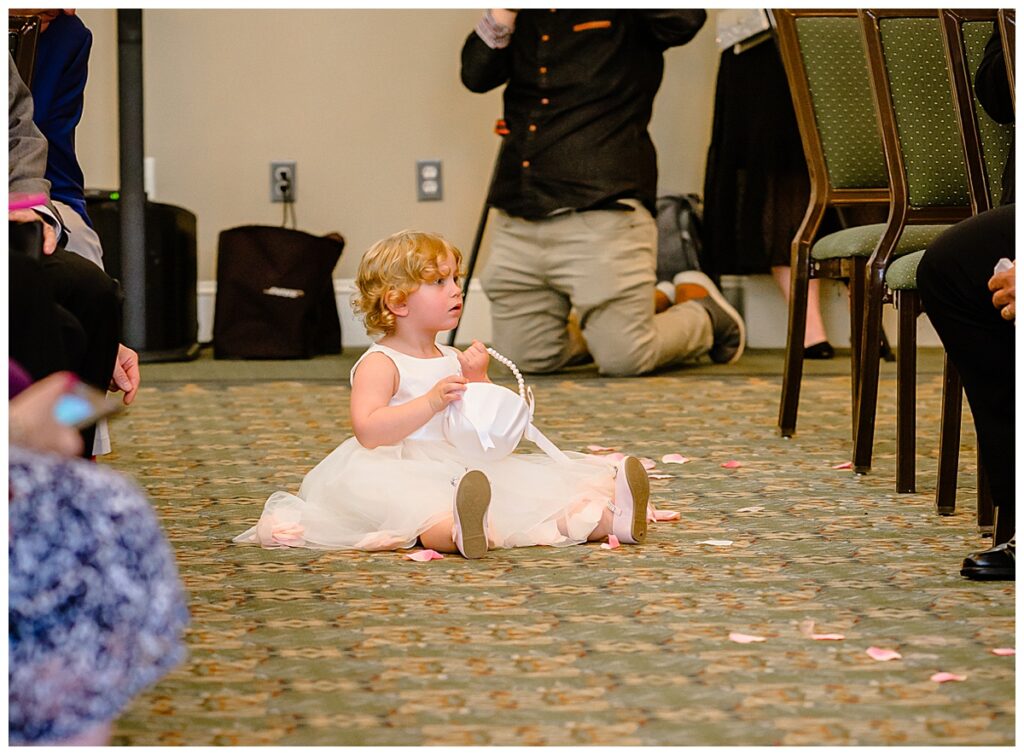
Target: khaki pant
(82, 240)
(602, 263)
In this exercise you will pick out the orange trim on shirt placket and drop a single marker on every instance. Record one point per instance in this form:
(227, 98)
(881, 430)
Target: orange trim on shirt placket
(592, 25)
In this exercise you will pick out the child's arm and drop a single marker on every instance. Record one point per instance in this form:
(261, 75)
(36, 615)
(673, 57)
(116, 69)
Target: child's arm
(377, 424)
(474, 362)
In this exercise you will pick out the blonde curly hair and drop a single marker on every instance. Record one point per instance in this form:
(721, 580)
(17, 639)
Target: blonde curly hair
(392, 269)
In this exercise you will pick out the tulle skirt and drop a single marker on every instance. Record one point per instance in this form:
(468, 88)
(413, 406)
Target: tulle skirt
(384, 498)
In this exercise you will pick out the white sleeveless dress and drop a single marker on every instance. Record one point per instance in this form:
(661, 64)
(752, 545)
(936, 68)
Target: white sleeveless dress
(383, 498)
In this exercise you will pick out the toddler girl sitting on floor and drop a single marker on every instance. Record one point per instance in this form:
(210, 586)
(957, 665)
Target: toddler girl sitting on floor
(399, 481)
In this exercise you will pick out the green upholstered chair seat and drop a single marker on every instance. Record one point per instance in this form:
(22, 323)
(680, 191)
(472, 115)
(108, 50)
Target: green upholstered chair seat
(861, 241)
(901, 275)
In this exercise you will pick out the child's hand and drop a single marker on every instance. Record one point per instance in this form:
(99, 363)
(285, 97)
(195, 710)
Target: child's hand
(447, 390)
(474, 362)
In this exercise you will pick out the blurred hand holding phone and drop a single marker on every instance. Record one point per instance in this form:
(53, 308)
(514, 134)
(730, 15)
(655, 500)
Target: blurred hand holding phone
(83, 405)
(44, 416)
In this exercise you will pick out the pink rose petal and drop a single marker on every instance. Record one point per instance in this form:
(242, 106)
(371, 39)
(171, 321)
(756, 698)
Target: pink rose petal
(831, 636)
(1004, 651)
(844, 465)
(744, 638)
(658, 476)
(674, 459)
(715, 542)
(599, 449)
(750, 509)
(423, 555)
(664, 515)
(731, 464)
(945, 676)
(883, 654)
(648, 463)
(613, 542)
(616, 457)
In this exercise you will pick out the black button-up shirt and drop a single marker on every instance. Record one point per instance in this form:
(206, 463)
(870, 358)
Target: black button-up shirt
(581, 86)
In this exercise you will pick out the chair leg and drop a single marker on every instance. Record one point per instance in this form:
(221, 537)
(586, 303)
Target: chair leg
(906, 391)
(794, 366)
(867, 396)
(856, 285)
(949, 440)
(986, 507)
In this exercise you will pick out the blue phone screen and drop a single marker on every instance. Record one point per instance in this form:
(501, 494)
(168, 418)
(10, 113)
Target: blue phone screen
(71, 409)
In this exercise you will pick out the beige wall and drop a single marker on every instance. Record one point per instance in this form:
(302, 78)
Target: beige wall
(355, 97)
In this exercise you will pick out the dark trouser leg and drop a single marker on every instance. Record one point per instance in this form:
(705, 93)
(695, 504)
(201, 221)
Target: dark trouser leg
(36, 338)
(953, 281)
(94, 299)
(65, 314)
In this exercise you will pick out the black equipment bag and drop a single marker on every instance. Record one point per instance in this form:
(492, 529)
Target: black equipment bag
(680, 235)
(275, 295)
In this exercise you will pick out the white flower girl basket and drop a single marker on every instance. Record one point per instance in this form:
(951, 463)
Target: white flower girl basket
(488, 422)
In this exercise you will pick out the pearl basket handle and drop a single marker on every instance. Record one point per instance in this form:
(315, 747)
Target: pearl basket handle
(525, 393)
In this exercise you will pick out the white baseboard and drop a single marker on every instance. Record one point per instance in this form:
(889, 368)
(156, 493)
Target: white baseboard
(767, 315)
(757, 298)
(476, 322)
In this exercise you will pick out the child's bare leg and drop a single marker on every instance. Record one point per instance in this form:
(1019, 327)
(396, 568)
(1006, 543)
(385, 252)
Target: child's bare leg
(439, 537)
(603, 528)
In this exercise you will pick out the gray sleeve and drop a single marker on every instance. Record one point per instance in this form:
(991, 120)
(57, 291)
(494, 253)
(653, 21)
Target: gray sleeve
(26, 151)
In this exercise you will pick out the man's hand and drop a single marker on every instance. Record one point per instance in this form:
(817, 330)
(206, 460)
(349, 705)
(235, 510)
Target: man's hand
(126, 373)
(474, 362)
(1004, 296)
(31, 216)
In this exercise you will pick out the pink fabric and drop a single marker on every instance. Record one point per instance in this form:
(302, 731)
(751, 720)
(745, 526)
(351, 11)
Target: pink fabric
(17, 379)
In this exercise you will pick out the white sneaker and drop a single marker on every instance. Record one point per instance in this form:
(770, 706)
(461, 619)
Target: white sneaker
(729, 332)
(629, 509)
(472, 497)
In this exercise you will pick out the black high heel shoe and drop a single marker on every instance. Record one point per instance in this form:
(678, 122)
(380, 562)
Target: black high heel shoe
(820, 350)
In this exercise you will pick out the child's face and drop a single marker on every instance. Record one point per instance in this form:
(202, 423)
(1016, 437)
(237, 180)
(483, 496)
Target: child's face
(437, 305)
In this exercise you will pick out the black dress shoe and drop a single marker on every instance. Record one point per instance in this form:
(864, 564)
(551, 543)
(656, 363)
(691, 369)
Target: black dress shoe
(819, 350)
(995, 563)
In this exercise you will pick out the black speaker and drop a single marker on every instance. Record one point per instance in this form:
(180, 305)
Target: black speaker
(172, 323)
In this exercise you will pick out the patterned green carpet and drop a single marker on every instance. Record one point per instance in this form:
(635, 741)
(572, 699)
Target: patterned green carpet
(579, 645)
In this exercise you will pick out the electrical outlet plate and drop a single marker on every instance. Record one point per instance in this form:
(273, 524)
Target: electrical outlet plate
(429, 187)
(282, 181)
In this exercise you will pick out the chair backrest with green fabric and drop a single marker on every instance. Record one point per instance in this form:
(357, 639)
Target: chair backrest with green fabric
(922, 106)
(1008, 32)
(840, 91)
(996, 138)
